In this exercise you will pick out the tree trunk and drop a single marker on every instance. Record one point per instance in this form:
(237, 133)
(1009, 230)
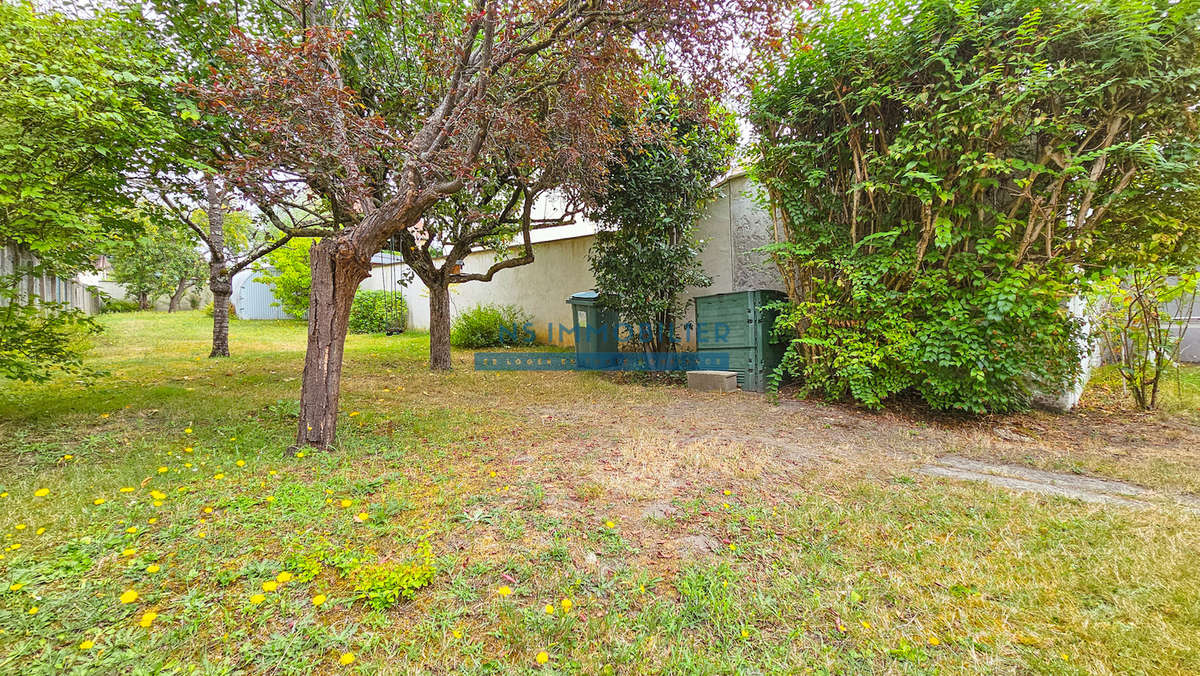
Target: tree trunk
(180, 289)
(222, 289)
(439, 325)
(337, 268)
(218, 276)
(143, 301)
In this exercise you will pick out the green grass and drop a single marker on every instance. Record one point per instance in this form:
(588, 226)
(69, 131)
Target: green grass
(828, 571)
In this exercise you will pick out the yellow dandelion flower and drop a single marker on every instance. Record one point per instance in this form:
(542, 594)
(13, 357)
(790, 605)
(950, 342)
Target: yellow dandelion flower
(745, 634)
(218, 475)
(865, 624)
(68, 457)
(566, 604)
(346, 659)
(492, 473)
(129, 596)
(4, 494)
(318, 599)
(346, 503)
(129, 551)
(158, 503)
(283, 577)
(86, 645)
(270, 585)
(272, 472)
(158, 495)
(34, 610)
(270, 498)
(728, 492)
(300, 454)
(549, 609)
(131, 530)
(504, 591)
(208, 510)
(187, 430)
(42, 492)
(609, 524)
(153, 568)
(456, 633)
(353, 413)
(363, 516)
(933, 640)
(40, 531)
(257, 599)
(127, 489)
(16, 586)
(188, 449)
(164, 469)
(732, 547)
(542, 657)
(233, 438)
(20, 526)
(147, 618)
(153, 519)
(240, 463)
(201, 535)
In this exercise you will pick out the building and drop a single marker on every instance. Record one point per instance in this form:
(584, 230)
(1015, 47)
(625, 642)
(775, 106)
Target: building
(74, 292)
(732, 230)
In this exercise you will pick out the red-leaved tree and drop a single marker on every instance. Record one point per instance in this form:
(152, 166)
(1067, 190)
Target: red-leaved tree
(371, 113)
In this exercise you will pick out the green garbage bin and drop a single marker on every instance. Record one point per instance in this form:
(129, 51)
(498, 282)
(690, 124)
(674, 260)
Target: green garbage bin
(596, 329)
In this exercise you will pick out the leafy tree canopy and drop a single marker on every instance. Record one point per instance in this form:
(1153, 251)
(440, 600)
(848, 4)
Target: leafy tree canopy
(944, 174)
(647, 252)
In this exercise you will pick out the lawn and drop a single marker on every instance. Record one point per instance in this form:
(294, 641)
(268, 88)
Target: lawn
(578, 523)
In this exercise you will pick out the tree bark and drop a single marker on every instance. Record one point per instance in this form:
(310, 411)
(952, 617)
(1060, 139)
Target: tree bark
(439, 325)
(222, 289)
(218, 273)
(180, 289)
(337, 268)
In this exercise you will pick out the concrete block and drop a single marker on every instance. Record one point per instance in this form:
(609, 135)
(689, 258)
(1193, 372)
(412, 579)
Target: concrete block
(712, 381)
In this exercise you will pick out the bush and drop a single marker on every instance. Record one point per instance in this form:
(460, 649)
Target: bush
(378, 311)
(208, 310)
(287, 272)
(492, 326)
(111, 306)
(939, 176)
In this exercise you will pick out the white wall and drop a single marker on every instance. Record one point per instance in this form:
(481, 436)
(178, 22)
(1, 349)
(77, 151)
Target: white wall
(560, 267)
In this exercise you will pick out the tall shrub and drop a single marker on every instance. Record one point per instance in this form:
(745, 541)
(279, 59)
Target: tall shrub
(288, 275)
(646, 251)
(940, 175)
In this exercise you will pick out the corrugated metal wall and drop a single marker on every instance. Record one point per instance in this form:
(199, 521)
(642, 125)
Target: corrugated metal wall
(253, 300)
(49, 289)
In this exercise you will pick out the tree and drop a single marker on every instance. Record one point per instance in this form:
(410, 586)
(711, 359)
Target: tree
(233, 242)
(163, 259)
(79, 105)
(289, 276)
(385, 111)
(647, 252)
(1148, 265)
(499, 209)
(939, 174)
(187, 178)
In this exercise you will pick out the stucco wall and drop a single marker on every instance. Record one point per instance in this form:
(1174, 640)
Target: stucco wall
(731, 227)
